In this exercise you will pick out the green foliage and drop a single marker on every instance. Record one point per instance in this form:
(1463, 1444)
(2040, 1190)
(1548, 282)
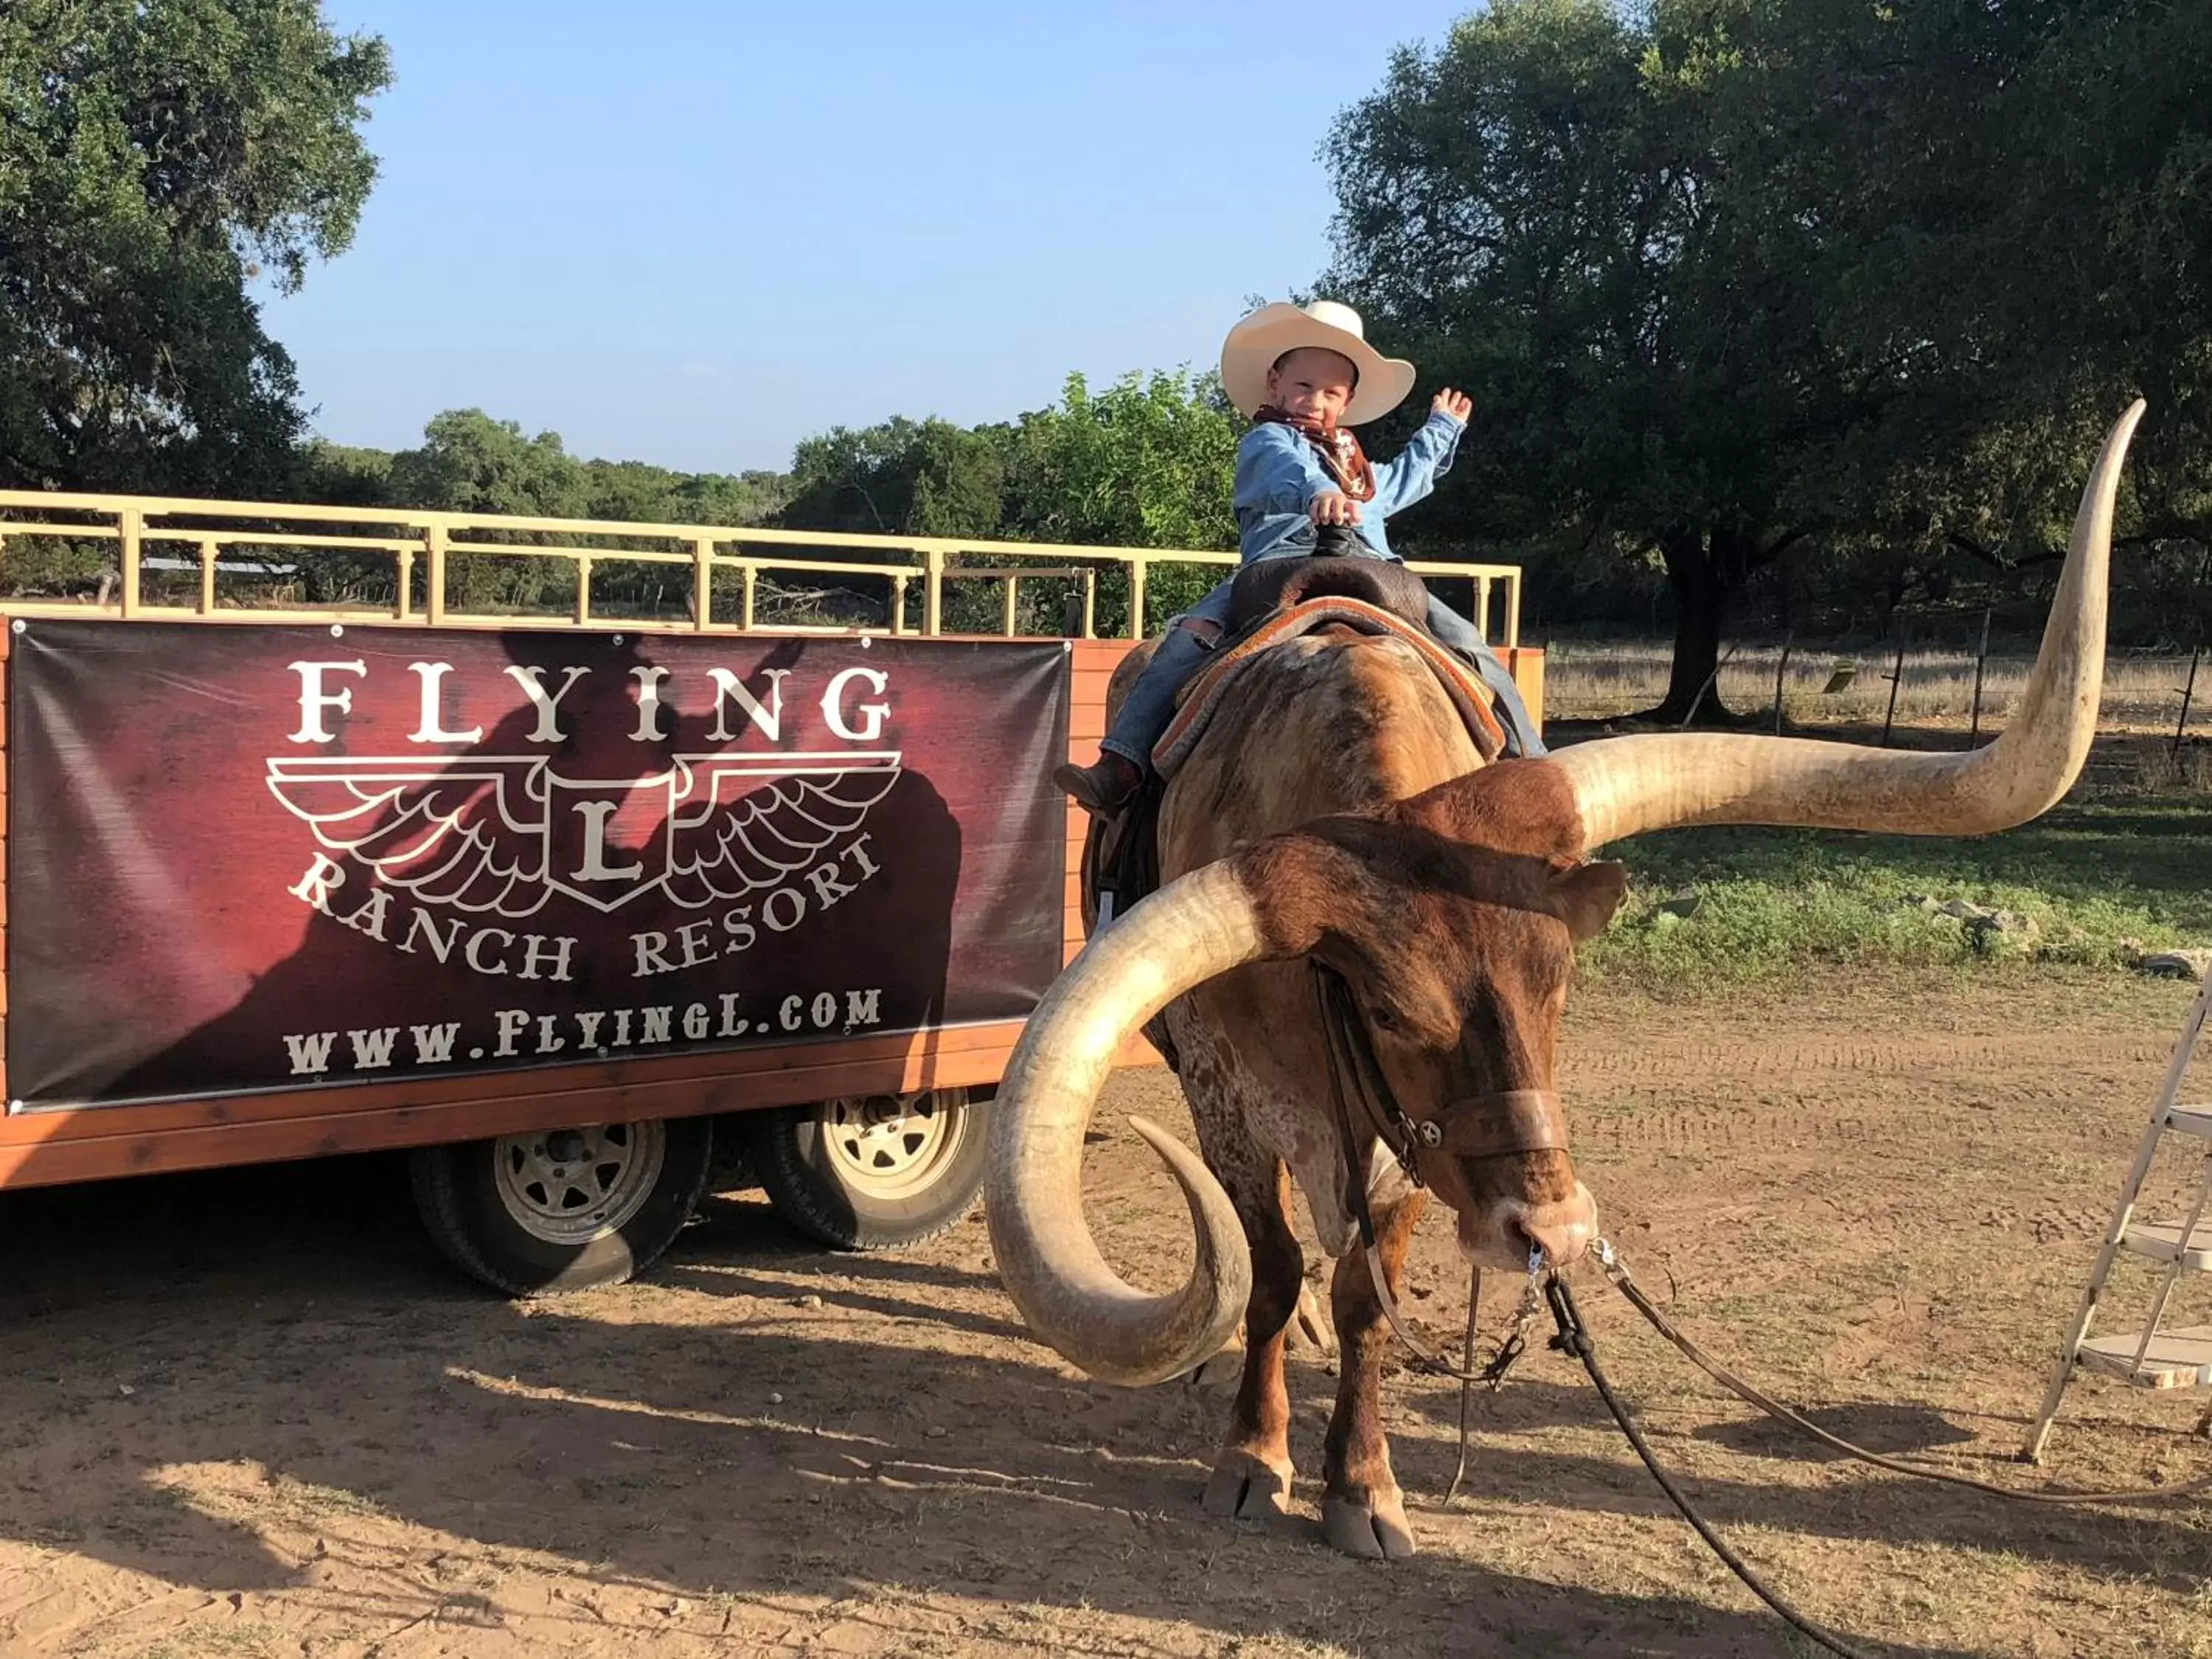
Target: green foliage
(1147, 462)
(901, 478)
(2092, 877)
(470, 463)
(642, 493)
(153, 155)
(1150, 461)
(1733, 281)
(344, 476)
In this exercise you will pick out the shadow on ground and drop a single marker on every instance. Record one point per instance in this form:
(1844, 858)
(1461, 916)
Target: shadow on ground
(286, 1334)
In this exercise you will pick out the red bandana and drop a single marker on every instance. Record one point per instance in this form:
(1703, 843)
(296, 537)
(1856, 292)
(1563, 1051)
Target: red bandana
(1341, 453)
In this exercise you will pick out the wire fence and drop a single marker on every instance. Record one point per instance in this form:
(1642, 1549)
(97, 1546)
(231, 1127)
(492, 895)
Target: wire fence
(1923, 685)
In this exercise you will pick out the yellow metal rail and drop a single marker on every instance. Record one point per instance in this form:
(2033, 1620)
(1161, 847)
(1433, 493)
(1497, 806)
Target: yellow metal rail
(211, 529)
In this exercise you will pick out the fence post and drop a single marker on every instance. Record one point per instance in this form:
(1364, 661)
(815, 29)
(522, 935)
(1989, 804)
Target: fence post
(402, 561)
(1136, 598)
(1090, 604)
(130, 523)
(1896, 679)
(208, 548)
(1006, 613)
(1981, 663)
(2188, 691)
(746, 600)
(899, 604)
(1781, 672)
(583, 592)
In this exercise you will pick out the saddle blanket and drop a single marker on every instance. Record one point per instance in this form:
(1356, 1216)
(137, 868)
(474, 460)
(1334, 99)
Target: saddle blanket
(1203, 695)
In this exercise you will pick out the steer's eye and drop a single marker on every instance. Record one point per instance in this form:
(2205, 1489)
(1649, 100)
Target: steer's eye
(1382, 1019)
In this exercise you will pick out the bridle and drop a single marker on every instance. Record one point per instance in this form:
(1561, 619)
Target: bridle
(1499, 1124)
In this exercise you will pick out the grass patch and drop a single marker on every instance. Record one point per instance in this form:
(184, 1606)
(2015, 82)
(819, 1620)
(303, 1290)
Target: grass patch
(2097, 879)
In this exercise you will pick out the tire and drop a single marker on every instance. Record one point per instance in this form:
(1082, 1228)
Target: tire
(875, 1172)
(562, 1209)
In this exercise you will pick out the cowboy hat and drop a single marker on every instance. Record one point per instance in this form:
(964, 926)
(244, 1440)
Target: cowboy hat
(1259, 341)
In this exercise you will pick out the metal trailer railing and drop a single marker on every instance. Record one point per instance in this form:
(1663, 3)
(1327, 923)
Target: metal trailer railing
(428, 545)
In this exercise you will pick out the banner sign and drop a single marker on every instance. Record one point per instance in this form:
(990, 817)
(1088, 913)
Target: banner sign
(246, 857)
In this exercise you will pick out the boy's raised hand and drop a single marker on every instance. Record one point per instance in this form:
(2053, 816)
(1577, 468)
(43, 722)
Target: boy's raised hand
(1457, 404)
(1333, 507)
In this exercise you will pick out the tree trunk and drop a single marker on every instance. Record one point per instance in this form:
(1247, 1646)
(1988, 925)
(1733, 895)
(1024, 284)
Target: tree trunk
(1700, 584)
(1706, 567)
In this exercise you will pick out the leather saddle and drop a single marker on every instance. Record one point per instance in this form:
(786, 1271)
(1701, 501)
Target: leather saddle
(1326, 614)
(1331, 571)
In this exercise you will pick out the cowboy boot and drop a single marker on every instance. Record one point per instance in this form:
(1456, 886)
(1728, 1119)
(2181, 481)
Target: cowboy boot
(1102, 789)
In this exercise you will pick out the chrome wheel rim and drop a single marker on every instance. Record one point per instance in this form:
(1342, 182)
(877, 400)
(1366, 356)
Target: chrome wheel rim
(572, 1186)
(893, 1146)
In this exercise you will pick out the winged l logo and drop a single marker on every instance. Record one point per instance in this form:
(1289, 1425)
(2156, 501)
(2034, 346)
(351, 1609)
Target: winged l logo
(502, 833)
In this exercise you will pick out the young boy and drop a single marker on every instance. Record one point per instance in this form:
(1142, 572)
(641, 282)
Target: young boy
(1302, 376)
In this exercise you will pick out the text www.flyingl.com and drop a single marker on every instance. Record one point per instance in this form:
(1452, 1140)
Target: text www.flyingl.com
(594, 1033)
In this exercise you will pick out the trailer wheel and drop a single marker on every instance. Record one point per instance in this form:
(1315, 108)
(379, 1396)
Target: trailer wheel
(564, 1209)
(875, 1172)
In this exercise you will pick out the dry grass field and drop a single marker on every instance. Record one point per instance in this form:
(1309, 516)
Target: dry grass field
(1592, 680)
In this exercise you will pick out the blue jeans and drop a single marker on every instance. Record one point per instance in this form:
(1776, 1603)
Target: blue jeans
(1149, 708)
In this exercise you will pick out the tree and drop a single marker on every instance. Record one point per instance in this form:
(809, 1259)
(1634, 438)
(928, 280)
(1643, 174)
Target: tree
(901, 477)
(1539, 210)
(1733, 279)
(155, 156)
(639, 491)
(1150, 461)
(471, 463)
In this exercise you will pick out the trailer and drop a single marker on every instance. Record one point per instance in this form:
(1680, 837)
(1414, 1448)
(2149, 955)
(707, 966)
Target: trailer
(325, 833)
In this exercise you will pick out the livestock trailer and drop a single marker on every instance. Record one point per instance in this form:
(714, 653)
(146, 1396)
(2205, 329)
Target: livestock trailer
(323, 834)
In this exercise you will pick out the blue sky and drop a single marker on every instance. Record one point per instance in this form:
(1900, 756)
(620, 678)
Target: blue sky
(693, 232)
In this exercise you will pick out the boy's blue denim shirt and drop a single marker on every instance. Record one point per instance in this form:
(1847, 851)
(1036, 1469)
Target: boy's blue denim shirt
(1279, 474)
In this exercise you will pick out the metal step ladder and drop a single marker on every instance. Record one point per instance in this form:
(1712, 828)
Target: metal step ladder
(2149, 1358)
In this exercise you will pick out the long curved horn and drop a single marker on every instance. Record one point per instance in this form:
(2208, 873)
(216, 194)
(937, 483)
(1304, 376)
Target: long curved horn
(1625, 786)
(1198, 927)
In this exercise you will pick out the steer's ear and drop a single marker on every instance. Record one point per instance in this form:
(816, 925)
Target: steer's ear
(1585, 896)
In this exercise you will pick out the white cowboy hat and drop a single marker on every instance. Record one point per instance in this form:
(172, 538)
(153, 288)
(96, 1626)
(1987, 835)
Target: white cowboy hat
(1259, 341)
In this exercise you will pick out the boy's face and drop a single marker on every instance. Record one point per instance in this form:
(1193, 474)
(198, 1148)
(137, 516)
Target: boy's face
(1313, 383)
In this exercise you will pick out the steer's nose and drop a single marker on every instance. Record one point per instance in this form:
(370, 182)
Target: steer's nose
(1499, 1234)
(1563, 1230)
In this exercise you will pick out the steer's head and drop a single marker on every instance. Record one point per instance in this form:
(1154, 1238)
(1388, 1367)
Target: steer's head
(1451, 922)
(1452, 917)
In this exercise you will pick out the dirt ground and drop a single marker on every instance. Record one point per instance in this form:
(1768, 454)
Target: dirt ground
(249, 1414)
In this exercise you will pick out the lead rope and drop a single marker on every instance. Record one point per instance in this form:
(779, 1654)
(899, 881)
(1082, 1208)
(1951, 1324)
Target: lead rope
(1510, 1347)
(1574, 1338)
(1616, 1272)
(1466, 1384)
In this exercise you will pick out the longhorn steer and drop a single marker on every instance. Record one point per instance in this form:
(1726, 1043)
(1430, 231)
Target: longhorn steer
(1337, 811)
